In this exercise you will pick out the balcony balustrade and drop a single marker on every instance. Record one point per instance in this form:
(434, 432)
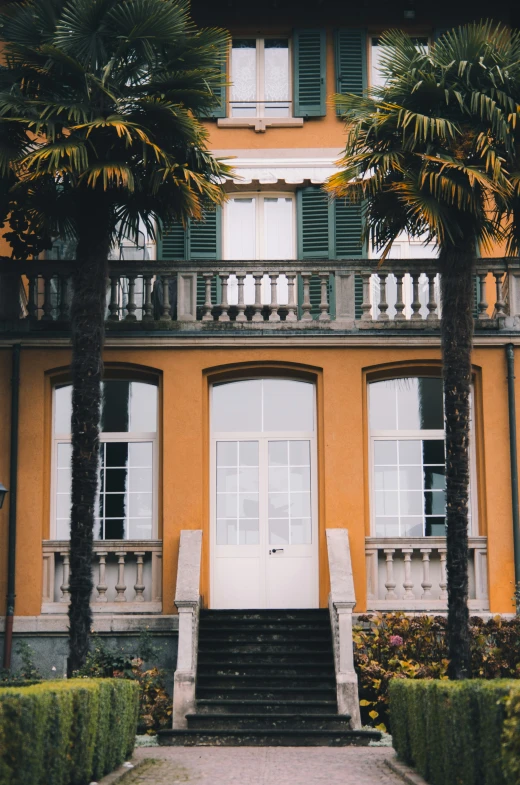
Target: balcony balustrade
(410, 574)
(126, 575)
(354, 295)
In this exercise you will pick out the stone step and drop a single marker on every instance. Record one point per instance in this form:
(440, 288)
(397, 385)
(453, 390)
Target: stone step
(293, 706)
(266, 669)
(274, 679)
(231, 648)
(267, 738)
(274, 625)
(265, 659)
(256, 721)
(241, 616)
(296, 637)
(265, 693)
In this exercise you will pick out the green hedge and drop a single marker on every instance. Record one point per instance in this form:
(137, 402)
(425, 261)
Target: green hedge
(66, 732)
(458, 733)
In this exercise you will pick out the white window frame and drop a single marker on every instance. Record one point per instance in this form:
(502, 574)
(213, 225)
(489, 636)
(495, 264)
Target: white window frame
(420, 435)
(106, 437)
(259, 199)
(260, 77)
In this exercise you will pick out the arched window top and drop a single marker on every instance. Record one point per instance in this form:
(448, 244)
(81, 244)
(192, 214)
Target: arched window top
(407, 404)
(126, 407)
(263, 405)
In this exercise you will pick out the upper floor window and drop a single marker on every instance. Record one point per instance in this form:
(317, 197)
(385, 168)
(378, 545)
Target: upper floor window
(260, 76)
(407, 457)
(259, 227)
(126, 504)
(376, 51)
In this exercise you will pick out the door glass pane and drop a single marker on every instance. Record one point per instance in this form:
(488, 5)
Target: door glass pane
(276, 77)
(240, 228)
(237, 493)
(243, 91)
(288, 405)
(289, 493)
(62, 408)
(237, 406)
(278, 230)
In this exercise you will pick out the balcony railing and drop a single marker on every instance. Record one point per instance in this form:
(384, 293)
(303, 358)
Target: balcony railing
(127, 576)
(349, 295)
(410, 574)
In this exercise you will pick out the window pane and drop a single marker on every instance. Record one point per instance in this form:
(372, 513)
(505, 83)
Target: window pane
(387, 503)
(115, 480)
(139, 528)
(385, 478)
(248, 533)
(114, 529)
(434, 502)
(278, 453)
(288, 405)
(140, 454)
(412, 527)
(431, 404)
(115, 406)
(227, 453)
(64, 455)
(279, 532)
(237, 406)
(248, 453)
(143, 407)
(436, 527)
(227, 532)
(411, 502)
(278, 230)
(62, 409)
(243, 77)
(300, 531)
(434, 478)
(433, 451)
(385, 453)
(240, 217)
(382, 406)
(410, 478)
(237, 493)
(276, 56)
(387, 527)
(140, 505)
(410, 452)
(116, 454)
(140, 479)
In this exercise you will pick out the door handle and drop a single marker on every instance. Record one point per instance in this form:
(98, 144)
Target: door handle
(275, 550)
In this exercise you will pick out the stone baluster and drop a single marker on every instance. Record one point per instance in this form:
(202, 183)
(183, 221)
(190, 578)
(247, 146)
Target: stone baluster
(324, 300)
(147, 303)
(32, 299)
(258, 316)
(416, 303)
(120, 585)
(366, 305)
(383, 304)
(139, 586)
(292, 315)
(390, 583)
(114, 299)
(47, 299)
(166, 314)
(482, 303)
(399, 302)
(443, 583)
(102, 585)
(131, 306)
(65, 587)
(241, 315)
(224, 305)
(274, 316)
(432, 302)
(208, 305)
(500, 310)
(408, 583)
(306, 303)
(64, 312)
(426, 582)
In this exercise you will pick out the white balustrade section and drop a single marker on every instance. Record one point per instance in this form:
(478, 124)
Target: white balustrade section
(188, 601)
(409, 574)
(127, 576)
(342, 600)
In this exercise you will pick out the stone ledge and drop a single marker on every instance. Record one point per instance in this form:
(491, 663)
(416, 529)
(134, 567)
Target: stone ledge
(405, 772)
(110, 623)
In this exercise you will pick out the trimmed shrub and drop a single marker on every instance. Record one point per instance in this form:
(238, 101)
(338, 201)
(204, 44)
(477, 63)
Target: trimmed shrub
(66, 732)
(458, 733)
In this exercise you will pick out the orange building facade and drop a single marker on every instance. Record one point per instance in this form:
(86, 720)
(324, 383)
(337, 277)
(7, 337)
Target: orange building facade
(265, 380)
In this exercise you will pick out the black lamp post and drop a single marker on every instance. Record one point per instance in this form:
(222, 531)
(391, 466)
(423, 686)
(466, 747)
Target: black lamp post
(3, 492)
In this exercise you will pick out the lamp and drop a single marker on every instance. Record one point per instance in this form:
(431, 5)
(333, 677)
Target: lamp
(3, 492)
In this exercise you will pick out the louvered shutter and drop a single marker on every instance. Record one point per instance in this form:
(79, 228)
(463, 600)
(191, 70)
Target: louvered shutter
(221, 92)
(172, 244)
(348, 228)
(350, 54)
(309, 73)
(313, 224)
(204, 242)
(358, 296)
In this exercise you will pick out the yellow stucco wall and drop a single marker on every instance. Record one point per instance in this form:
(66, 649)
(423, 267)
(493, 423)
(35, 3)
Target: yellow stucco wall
(184, 496)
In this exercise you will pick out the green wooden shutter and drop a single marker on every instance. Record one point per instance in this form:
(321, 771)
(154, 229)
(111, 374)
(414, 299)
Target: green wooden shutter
(204, 236)
(348, 228)
(350, 54)
(172, 244)
(221, 92)
(358, 296)
(313, 224)
(309, 73)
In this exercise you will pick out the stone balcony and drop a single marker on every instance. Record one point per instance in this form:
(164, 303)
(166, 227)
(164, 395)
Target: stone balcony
(221, 298)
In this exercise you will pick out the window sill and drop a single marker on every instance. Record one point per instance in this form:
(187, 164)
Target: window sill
(260, 124)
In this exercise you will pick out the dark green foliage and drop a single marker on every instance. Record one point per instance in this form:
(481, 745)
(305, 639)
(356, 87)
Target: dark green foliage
(393, 646)
(66, 732)
(458, 733)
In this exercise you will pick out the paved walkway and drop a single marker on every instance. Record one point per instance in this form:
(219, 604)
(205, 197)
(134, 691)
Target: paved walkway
(263, 766)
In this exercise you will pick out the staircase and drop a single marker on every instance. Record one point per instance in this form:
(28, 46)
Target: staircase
(266, 678)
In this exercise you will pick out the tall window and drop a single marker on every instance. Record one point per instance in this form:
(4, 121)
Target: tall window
(126, 504)
(407, 456)
(260, 77)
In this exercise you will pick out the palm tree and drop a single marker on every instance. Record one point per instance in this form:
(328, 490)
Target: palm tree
(428, 154)
(99, 101)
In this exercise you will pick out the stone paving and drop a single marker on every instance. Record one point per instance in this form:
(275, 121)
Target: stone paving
(262, 766)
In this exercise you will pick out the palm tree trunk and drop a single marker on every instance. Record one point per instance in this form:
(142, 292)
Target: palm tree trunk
(88, 332)
(457, 270)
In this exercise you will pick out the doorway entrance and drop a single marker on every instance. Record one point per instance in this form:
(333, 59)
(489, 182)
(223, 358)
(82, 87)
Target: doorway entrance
(264, 532)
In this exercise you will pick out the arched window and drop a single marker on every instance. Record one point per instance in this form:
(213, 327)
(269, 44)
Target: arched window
(407, 457)
(127, 489)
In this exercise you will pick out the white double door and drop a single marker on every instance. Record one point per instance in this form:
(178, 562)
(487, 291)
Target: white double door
(264, 538)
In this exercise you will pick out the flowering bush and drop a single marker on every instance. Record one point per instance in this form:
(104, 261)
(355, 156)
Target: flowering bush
(388, 646)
